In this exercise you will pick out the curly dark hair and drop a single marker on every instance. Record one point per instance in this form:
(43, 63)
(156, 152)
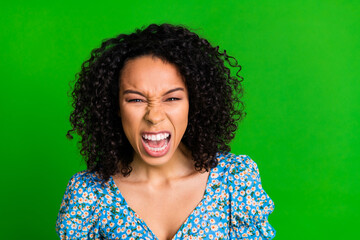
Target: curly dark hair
(214, 96)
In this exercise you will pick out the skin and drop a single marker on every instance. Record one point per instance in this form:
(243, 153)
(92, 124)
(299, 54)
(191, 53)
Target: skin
(162, 190)
(146, 106)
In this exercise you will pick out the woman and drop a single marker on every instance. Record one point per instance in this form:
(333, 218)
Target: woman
(156, 112)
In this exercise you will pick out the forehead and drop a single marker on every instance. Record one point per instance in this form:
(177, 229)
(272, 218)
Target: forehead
(150, 74)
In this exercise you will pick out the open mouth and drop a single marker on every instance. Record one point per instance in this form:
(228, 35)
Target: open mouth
(156, 144)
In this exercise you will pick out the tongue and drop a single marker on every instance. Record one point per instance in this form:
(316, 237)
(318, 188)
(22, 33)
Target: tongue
(156, 144)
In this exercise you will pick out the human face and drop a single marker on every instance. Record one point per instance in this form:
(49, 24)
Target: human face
(154, 107)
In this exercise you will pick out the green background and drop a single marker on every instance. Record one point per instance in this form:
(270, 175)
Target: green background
(301, 66)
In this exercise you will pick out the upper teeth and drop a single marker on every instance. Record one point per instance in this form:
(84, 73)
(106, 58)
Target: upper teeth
(156, 137)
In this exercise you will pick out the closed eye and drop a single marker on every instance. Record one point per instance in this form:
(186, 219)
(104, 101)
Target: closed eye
(134, 100)
(172, 99)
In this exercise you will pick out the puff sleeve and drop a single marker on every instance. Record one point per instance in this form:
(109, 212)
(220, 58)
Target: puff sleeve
(80, 209)
(250, 205)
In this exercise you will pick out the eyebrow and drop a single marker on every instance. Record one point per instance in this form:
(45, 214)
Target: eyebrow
(170, 91)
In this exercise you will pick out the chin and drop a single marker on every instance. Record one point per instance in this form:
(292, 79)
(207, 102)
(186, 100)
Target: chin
(156, 161)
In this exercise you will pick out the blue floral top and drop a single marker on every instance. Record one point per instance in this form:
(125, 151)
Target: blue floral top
(234, 206)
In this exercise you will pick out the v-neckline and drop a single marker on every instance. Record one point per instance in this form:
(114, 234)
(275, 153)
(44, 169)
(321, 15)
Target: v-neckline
(138, 218)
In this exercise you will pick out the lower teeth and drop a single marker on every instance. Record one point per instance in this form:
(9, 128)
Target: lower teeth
(156, 149)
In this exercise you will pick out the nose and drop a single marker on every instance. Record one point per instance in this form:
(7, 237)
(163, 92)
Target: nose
(154, 115)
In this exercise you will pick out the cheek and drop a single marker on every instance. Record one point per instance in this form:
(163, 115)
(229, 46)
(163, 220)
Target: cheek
(179, 117)
(130, 121)
(185, 116)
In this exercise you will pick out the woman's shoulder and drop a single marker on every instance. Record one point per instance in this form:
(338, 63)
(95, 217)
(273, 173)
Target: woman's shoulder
(81, 205)
(84, 187)
(240, 172)
(85, 179)
(250, 204)
(234, 164)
